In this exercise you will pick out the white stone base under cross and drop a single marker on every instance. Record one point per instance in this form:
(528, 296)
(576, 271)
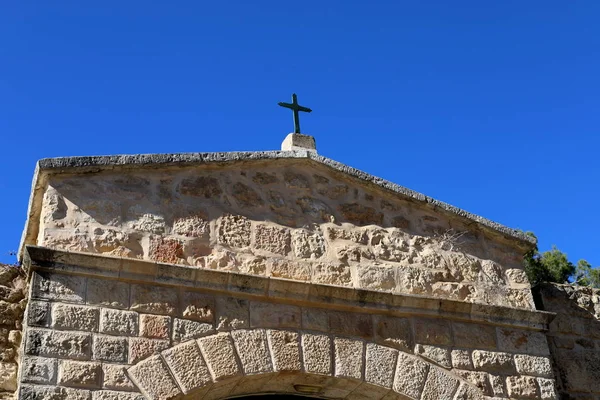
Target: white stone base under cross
(298, 141)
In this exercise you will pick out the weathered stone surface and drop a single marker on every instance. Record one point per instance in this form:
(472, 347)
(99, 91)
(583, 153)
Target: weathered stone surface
(184, 329)
(8, 376)
(46, 343)
(432, 331)
(113, 395)
(308, 244)
(219, 354)
(493, 361)
(154, 299)
(478, 379)
(285, 350)
(39, 370)
(35, 392)
(439, 385)
(140, 348)
(246, 196)
(522, 387)
(473, 336)
(188, 366)
(466, 392)
(252, 350)
(316, 351)
(38, 313)
(281, 268)
(410, 376)
(271, 315)
(153, 377)
(352, 324)
(118, 322)
(79, 374)
(197, 226)
(393, 332)
(461, 359)
(332, 274)
(437, 354)
(58, 287)
(361, 215)
(116, 378)
(315, 319)
(110, 348)
(198, 306)
(517, 341)
(232, 313)
(533, 365)
(272, 239)
(155, 326)
(377, 278)
(107, 293)
(234, 231)
(348, 355)
(200, 186)
(547, 389)
(380, 365)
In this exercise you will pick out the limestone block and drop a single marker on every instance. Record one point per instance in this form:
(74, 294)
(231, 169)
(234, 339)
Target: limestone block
(380, 365)
(348, 355)
(234, 231)
(34, 392)
(295, 179)
(184, 329)
(200, 186)
(232, 313)
(245, 196)
(332, 274)
(188, 366)
(118, 322)
(493, 361)
(474, 336)
(285, 350)
(198, 306)
(315, 209)
(289, 269)
(222, 390)
(8, 376)
(115, 377)
(439, 385)
(497, 384)
(368, 391)
(298, 141)
(353, 324)
(79, 374)
(38, 313)
(272, 239)
(394, 332)
(110, 348)
(39, 370)
(522, 387)
(155, 326)
(308, 244)
(140, 348)
(411, 373)
(461, 359)
(533, 365)
(526, 342)
(272, 315)
(466, 392)
(432, 331)
(355, 235)
(113, 395)
(437, 354)
(219, 354)
(154, 299)
(316, 349)
(479, 379)
(264, 178)
(108, 293)
(197, 226)
(75, 346)
(359, 214)
(547, 389)
(81, 318)
(315, 319)
(376, 278)
(153, 377)
(516, 277)
(252, 350)
(58, 287)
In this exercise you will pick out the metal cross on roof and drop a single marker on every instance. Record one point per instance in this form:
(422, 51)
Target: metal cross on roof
(294, 106)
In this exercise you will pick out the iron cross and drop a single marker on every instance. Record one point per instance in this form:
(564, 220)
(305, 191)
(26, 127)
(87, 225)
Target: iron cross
(294, 106)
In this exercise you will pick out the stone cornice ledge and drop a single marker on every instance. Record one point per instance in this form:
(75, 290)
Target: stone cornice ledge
(279, 290)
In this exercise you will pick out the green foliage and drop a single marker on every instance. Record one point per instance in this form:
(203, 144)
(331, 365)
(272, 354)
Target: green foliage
(585, 275)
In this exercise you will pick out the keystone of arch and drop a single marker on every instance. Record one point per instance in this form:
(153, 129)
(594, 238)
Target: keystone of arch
(261, 361)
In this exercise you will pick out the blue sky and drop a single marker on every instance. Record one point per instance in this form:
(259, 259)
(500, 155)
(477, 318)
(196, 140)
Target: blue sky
(489, 106)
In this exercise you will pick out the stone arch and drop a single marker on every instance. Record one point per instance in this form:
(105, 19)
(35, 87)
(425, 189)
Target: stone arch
(262, 361)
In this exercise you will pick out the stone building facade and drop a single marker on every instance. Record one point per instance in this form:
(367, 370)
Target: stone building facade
(209, 276)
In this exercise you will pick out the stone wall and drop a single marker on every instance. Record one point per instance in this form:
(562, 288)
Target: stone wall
(574, 338)
(12, 305)
(289, 219)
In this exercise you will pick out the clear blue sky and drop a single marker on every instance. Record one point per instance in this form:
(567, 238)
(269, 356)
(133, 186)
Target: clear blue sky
(492, 106)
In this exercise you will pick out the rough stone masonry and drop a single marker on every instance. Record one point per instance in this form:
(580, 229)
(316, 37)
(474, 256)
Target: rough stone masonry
(208, 276)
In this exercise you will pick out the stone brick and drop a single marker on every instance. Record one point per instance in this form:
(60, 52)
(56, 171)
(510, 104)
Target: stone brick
(331, 274)
(140, 348)
(437, 354)
(393, 332)
(39, 370)
(38, 313)
(376, 278)
(461, 359)
(58, 344)
(307, 244)
(273, 315)
(232, 313)
(348, 358)
(116, 378)
(285, 350)
(199, 307)
(113, 395)
(493, 361)
(289, 269)
(315, 319)
(522, 387)
(110, 348)
(533, 365)
(411, 373)
(35, 392)
(497, 384)
(360, 215)
(108, 293)
(58, 287)
(253, 350)
(474, 336)
(79, 374)
(547, 389)
(153, 377)
(439, 385)
(81, 318)
(118, 322)
(517, 341)
(188, 366)
(200, 186)
(219, 355)
(380, 365)
(8, 376)
(234, 231)
(352, 324)
(432, 331)
(478, 379)
(272, 239)
(154, 299)
(184, 329)
(155, 326)
(317, 353)
(467, 392)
